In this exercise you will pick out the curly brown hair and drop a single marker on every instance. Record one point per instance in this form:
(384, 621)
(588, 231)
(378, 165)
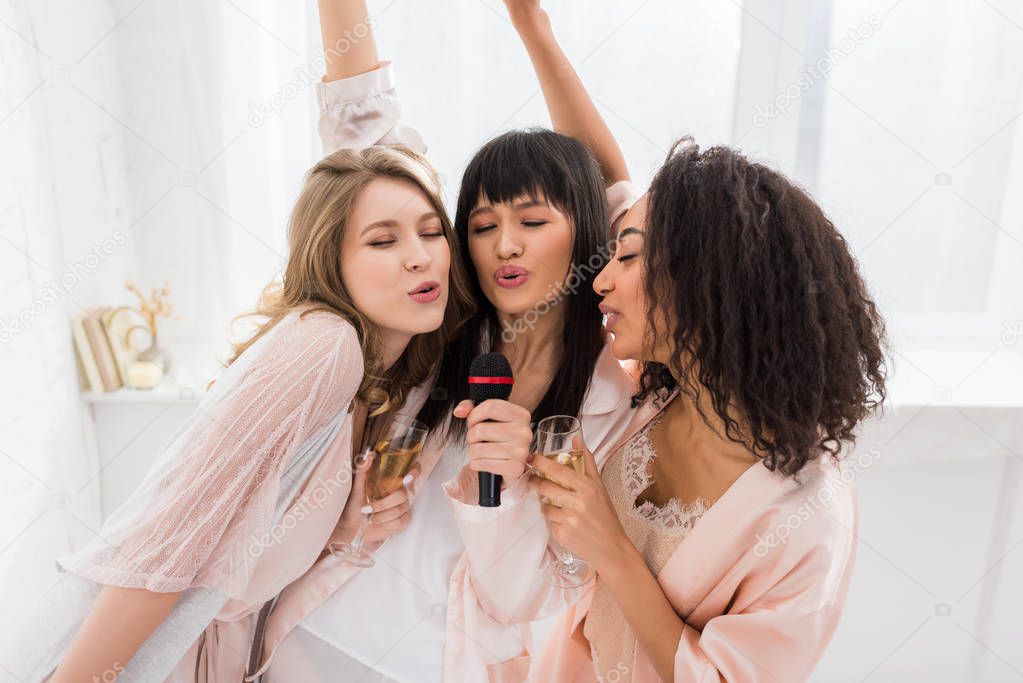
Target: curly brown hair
(768, 309)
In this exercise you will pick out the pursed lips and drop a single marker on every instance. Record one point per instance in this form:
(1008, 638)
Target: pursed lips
(510, 276)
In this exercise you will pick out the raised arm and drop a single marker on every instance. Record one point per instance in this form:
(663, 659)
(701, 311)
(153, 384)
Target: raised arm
(571, 108)
(348, 43)
(359, 106)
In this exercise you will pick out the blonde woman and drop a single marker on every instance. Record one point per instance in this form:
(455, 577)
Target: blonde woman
(254, 486)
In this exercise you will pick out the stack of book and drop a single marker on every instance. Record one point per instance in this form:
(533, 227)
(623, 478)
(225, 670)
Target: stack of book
(103, 353)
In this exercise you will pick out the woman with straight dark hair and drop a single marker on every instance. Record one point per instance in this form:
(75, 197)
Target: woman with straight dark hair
(557, 184)
(534, 213)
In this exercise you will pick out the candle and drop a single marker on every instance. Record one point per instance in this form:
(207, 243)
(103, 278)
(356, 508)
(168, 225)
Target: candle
(143, 374)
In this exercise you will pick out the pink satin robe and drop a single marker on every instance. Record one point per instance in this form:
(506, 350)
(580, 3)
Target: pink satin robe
(759, 582)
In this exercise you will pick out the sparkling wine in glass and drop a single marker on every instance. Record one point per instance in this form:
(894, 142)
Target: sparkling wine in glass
(393, 457)
(554, 436)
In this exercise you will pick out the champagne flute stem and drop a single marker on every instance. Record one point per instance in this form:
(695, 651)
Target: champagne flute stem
(360, 535)
(565, 558)
(356, 542)
(568, 561)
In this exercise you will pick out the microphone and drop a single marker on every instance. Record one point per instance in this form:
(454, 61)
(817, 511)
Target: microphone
(490, 376)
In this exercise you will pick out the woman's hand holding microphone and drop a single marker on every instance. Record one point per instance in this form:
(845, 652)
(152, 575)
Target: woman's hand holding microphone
(499, 437)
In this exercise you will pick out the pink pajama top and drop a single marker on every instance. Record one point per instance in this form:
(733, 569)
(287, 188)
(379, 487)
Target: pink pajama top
(237, 506)
(759, 578)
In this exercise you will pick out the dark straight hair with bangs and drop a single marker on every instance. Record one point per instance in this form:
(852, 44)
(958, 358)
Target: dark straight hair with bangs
(535, 163)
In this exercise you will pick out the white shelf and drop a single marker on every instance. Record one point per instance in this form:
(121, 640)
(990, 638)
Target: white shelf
(165, 392)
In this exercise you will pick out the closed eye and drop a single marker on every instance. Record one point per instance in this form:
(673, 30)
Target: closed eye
(482, 228)
(626, 257)
(534, 224)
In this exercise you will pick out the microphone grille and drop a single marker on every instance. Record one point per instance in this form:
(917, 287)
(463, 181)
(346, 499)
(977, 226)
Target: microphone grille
(489, 365)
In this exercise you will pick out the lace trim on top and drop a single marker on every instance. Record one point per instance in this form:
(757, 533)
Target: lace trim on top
(673, 517)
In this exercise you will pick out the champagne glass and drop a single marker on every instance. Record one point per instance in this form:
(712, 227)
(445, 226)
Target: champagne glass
(554, 436)
(393, 456)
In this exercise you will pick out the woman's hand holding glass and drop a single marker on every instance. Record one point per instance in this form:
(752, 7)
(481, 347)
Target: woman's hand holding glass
(579, 512)
(379, 503)
(388, 516)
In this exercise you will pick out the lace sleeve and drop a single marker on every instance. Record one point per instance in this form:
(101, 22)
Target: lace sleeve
(216, 485)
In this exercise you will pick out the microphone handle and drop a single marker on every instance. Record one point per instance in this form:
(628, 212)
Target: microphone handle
(490, 486)
(490, 489)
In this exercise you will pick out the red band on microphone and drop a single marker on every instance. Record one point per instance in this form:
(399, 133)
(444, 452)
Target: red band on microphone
(491, 380)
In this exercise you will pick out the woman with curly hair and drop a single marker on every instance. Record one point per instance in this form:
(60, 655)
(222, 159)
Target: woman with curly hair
(723, 532)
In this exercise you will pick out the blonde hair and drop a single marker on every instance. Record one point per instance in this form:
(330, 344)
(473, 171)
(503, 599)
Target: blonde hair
(312, 279)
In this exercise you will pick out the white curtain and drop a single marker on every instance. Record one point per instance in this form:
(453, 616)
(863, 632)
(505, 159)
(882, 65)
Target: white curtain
(658, 69)
(129, 152)
(62, 206)
(941, 168)
(904, 119)
(225, 137)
